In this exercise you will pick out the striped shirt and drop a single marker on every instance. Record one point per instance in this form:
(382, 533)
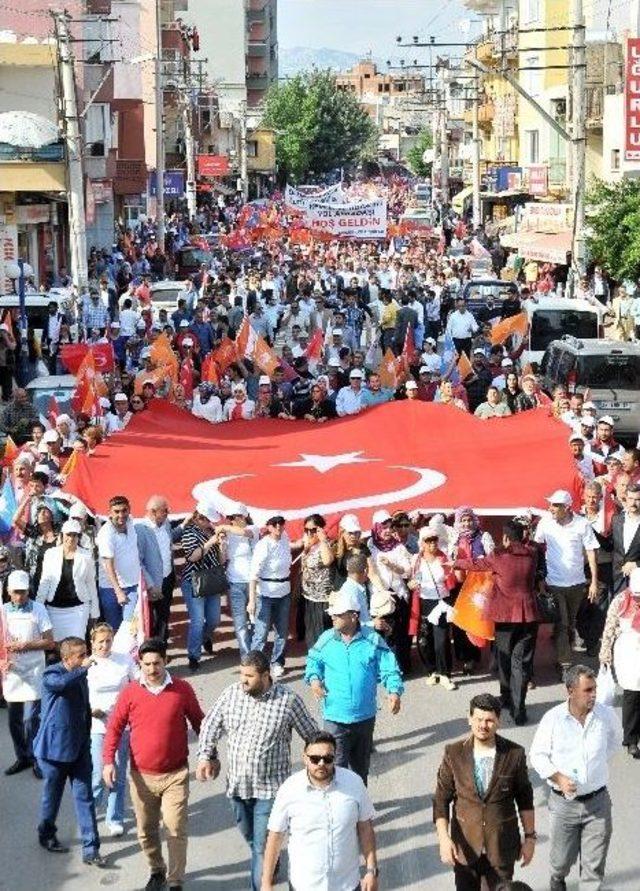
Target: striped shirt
(193, 538)
(259, 729)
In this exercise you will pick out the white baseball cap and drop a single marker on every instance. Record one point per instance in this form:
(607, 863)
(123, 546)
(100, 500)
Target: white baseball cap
(121, 397)
(18, 580)
(188, 341)
(430, 340)
(184, 323)
(264, 380)
(78, 511)
(506, 363)
(207, 510)
(577, 437)
(605, 419)
(51, 436)
(345, 602)
(560, 496)
(336, 332)
(71, 527)
(334, 362)
(428, 531)
(350, 523)
(381, 516)
(587, 421)
(424, 370)
(356, 373)
(411, 385)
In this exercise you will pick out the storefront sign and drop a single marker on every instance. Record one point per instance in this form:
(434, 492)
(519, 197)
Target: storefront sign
(131, 177)
(102, 191)
(173, 184)
(550, 218)
(213, 165)
(632, 101)
(31, 214)
(538, 175)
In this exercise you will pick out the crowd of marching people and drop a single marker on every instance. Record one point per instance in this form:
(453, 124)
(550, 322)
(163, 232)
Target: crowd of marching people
(313, 332)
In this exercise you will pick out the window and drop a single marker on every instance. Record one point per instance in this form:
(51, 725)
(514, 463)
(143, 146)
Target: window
(252, 148)
(530, 12)
(532, 146)
(615, 159)
(98, 129)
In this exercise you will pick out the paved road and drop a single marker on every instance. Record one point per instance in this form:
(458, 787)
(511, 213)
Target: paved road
(408, 750)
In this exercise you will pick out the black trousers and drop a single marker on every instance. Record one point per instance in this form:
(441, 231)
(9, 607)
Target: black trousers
(400, 640)
(463, 345)
(630, 717)
(469, 876)
(6, 382)
(161, 609)
(515, 648)
(353, 745)
(434, 642)
(316, 620)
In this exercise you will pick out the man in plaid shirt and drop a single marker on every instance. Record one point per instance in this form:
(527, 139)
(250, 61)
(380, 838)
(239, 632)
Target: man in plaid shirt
(258, 717)
(95, 314)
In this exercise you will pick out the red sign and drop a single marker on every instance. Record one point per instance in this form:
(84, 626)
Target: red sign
(538, 179)
(632, 101)
(72, 354)
(213, 165)
(345, 466)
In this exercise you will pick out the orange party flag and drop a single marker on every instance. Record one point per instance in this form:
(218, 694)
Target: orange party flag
(264, 357)
(513, 325)
(464, 367)
(470, 607)
(11, 452)
(388, 370)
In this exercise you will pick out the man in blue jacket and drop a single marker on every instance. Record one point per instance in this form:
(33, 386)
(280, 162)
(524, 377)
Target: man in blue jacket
(63, 750)
(344, 669)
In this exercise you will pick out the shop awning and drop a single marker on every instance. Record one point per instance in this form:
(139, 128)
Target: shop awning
(457, 202)
(545, 247)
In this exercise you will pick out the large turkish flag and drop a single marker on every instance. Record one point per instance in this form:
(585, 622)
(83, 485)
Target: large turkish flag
(399, 455)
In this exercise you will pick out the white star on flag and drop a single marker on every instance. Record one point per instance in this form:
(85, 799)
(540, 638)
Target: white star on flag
(324, 463)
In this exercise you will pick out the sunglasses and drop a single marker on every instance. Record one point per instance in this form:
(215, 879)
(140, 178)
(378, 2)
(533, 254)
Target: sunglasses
(321, 759)
(403, 525)
(311, 529)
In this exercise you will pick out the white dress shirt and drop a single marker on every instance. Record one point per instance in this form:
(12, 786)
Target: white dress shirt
(461, 325)
(165, 545)
(629, 529)
(348, 401)
(107, 677)
(271, 559)
(324, 850)
(579, 751)
(239, 553)
(566, 545)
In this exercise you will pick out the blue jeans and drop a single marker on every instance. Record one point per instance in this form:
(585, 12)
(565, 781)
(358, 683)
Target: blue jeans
(115, 796)
(252, 816)
(238, 599)
(115, 613)
(204, 615)
(55, 775)
(272, 611)
(24, 720)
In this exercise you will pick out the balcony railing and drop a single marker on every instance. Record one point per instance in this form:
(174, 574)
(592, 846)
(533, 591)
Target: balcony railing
(257, 81)
(257, 50)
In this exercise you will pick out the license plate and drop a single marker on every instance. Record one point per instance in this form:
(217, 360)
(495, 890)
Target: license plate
(620, 406)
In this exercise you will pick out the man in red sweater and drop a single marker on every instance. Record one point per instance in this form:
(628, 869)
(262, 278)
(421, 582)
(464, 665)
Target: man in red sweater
(156, 709)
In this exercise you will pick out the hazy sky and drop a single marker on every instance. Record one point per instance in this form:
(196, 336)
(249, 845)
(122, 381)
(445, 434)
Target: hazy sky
(361, 25)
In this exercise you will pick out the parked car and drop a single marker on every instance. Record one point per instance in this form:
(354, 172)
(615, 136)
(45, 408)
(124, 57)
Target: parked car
(41, 389)
(608, 369)
(164, 295)
(189, 259)
(37, 308)
(550, 318)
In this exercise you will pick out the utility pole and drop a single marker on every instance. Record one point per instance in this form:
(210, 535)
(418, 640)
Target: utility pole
(244, 178)
(159, 132)
(475, 175)
(578, 136)
(71, 130)
(186, 101)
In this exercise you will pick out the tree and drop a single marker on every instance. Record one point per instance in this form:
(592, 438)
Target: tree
(414, 155)
(613, 233)
(318, 127)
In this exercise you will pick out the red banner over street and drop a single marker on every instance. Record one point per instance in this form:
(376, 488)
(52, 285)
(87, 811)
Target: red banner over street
(399, 455)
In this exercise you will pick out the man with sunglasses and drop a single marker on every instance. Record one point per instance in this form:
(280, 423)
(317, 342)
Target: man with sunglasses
(327, 813)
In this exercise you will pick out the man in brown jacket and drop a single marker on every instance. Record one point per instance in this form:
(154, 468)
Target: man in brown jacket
(485, 778)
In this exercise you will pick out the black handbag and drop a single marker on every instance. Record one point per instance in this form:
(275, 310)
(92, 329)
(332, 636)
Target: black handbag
(547, 606)
(210, 581)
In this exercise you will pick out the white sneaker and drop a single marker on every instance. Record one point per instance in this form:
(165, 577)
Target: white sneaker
(277, 670)
(115, 829)
(447, 683)
(432, 680)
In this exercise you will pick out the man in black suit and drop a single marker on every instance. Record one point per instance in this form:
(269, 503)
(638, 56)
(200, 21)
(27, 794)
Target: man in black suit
(625, 529)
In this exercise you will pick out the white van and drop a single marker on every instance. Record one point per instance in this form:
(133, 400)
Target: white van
(550, 318)
(37, 308)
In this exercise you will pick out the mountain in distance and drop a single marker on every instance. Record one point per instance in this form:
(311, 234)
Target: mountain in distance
(293, 60)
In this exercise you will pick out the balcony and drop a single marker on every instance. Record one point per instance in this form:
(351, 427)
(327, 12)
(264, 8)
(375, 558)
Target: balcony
(486, 114)
(257, 16)
(257, 50)
(594, 109)
(258, 81)
(557, 173)
(485, 51)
